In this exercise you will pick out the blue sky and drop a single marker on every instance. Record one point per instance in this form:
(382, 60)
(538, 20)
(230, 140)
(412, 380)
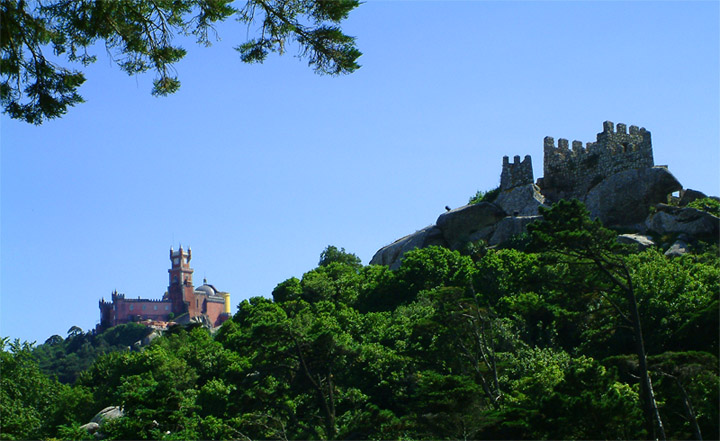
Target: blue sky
(259, 167)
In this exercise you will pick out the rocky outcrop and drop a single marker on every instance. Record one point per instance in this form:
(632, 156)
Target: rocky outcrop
(107, 414)
(391, 255)
(677, 249)
(625, 198)
(469, 223)
(695, 223)
(453, 230)
(688, 195)
(102, 417)
(91, 427)
(641, 241)
(150, 337)
(520, 201)
(509, 227)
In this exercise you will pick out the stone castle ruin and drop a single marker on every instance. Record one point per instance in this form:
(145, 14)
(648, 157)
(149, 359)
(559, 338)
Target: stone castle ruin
(571, 173)
(615, 177)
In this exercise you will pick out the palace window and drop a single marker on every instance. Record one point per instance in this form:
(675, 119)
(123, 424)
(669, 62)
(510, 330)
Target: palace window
(155, 307)
(131, 307)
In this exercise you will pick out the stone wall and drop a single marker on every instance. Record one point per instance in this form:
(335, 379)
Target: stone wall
(571, 173)
(516, 174)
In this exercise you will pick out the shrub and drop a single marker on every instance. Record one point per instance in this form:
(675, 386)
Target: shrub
(485, 196)
(708, 205)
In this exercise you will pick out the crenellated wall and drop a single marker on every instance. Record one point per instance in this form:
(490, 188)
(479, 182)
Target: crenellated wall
(572, 172)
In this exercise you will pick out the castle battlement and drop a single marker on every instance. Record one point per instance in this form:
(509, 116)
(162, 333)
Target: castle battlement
(139, 300)
(561, 149)
(572, 172)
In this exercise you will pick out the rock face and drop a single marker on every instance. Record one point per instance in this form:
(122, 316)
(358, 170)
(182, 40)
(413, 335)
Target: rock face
(689, 195)
(391, 255)
(509, 227)
(468, 223)
(625, 198)
(677, 249)
(521, 201)
(693, 222)
(641, 241)
(105, 415)
(90, 427)
(152, 336)
(204, 320)
(109, 413)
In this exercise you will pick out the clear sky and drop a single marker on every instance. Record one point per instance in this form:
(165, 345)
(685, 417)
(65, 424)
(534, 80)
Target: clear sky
(259, 167)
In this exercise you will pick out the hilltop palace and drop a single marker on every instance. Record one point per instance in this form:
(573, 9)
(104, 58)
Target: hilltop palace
(182, 302)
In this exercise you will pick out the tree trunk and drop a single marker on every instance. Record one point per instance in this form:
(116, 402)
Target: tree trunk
(689, 410)
(330, 406)
(652, 415)
(328, 403)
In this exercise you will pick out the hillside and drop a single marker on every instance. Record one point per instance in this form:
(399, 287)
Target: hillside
(537, 340)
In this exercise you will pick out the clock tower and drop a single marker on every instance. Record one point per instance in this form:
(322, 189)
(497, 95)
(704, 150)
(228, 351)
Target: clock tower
(180, 290)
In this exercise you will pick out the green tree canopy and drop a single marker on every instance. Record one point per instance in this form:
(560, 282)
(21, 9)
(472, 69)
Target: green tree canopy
(568, 235)
(332, 254)
(511, 345)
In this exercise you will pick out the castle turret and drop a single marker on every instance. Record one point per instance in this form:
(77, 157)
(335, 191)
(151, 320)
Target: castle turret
(226, 295)
(516, 173)
(107, 314)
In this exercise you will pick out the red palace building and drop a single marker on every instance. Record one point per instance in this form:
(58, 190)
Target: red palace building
(181, 302)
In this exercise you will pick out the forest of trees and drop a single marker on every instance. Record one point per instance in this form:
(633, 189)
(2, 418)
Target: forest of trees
(566, 334)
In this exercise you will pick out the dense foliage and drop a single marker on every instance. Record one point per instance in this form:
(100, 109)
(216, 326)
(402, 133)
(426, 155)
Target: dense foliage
(67, 358)
(709, 205)
(505, 344)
